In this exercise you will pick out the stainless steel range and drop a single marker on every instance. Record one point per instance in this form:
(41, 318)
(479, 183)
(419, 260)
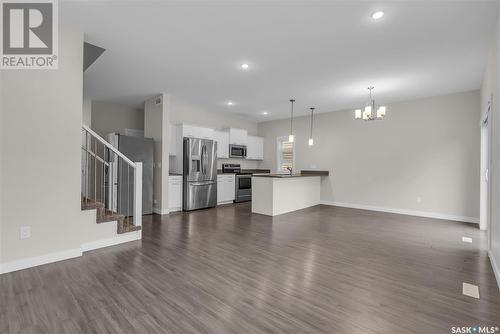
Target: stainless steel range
(243, 182)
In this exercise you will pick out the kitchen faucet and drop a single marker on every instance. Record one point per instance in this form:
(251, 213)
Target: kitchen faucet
(289, 170)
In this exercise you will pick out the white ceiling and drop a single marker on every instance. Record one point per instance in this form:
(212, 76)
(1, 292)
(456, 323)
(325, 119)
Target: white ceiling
(324, 54)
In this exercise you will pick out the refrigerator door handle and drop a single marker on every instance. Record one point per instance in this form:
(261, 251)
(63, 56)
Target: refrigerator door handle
(204, 159)
(201, 183)
(187, 154)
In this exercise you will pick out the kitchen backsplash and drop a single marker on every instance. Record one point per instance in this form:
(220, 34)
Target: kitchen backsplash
(245, 164)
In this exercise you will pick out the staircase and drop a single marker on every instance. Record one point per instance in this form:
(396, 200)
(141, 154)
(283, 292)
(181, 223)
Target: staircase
(103, 215)
(111, 183)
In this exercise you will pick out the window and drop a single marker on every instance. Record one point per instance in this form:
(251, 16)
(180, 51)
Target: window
(286, 154)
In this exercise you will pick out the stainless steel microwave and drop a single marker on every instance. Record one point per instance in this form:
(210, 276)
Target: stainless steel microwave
(237, 151)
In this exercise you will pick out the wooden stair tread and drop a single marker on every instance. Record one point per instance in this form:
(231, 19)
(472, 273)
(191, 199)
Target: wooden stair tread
(109, 217)
(103, 215)
(127, 225)
(91, 205)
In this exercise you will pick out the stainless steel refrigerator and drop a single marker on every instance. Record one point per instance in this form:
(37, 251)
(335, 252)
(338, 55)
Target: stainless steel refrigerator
(137, 149)
(199, 174)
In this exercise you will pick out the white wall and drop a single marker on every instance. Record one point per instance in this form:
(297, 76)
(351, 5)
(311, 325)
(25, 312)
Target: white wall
(491, 87)
(183, 112)
(110, 117)
(87, 112)
(427, 149)
(40, 160)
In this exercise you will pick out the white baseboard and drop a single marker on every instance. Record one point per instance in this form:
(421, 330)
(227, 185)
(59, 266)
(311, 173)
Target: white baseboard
(40, 260)
(119, 239)
(496, 270)
(174, 210)
(404, 212)
(161, 212)
(226, 202)
(68, 254)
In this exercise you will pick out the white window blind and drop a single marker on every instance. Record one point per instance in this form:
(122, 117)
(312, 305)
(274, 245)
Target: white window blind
(285, 155)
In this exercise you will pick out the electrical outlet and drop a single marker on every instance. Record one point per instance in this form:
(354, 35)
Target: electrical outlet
(419, 199)
(155, 201)
(25, 232)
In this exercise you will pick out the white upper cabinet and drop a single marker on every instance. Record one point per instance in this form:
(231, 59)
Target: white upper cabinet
(238, 136)
(172, 150)
(194, 131)
(222, 139)
(255, 148)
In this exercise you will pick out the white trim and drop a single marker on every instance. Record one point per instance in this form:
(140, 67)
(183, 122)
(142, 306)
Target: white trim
(174, 209)
(119, 239)
(496, 270)
(161, 212)
(436, 215)
(226, 202)
(67, 254)
(40, 260)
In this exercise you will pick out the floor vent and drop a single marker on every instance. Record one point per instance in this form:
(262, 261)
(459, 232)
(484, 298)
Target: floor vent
(470, 290)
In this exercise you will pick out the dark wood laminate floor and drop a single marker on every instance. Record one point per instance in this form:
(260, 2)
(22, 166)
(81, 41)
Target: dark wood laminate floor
(319, 270)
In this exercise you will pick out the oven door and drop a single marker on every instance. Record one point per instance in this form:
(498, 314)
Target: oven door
(237, 151)
(243, 188)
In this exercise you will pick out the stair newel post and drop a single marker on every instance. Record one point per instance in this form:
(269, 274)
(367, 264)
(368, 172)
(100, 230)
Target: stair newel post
(138, 194)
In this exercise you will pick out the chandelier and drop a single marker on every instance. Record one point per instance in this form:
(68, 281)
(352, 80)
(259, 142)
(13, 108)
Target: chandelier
(371, 112)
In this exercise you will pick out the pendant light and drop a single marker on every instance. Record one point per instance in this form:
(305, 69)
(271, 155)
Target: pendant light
(311, 141)
(369, 113)
(291, 138)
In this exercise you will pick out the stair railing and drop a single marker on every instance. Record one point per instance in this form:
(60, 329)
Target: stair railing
(109, 177)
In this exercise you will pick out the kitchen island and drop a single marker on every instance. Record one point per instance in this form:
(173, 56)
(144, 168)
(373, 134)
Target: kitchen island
(275, 194)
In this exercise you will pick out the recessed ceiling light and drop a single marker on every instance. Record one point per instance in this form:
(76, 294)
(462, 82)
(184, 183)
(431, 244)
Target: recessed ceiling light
(229, 103)
(377, 15)
(245, 66)
(265, 113)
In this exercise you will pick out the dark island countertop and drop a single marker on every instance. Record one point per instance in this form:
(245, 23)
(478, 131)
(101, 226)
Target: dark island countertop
(303, 173)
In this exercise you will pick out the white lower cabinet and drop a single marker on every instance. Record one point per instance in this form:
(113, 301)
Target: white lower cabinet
(174, 193)
(225, 188)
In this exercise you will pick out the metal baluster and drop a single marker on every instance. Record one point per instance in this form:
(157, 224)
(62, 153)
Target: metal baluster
(95, 170)
(128, 190)
(119, 184)
(103, 168)
(86, 169)
(111, 181)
